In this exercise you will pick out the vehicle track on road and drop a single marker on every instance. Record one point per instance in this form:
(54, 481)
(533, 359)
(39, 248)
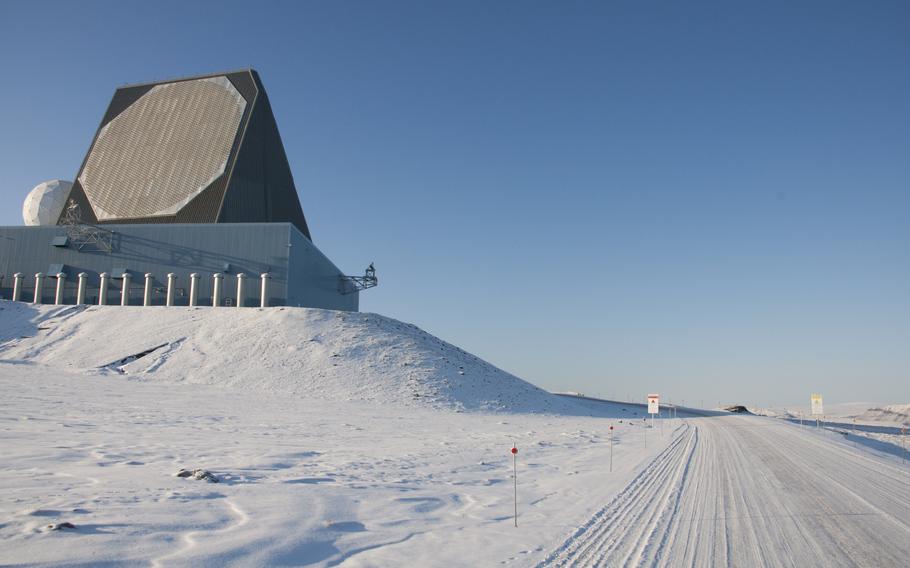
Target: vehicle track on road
(630, 523)
(751, 491)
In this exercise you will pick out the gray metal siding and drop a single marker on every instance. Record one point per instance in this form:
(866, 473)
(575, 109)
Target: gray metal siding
(261, 187)
(251, 248)
(307, 263)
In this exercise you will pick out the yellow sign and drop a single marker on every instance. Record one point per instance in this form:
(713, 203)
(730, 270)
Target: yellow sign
(817, 408)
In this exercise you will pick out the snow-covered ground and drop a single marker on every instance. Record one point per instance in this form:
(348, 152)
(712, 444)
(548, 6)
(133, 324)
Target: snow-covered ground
(357, 440)
(303, 481)
(752, 491)
(338, 438)
(880, 428)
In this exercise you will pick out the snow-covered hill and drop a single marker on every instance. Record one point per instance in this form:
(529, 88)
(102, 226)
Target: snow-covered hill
(868, 413)
(309, 353)
(892, 413)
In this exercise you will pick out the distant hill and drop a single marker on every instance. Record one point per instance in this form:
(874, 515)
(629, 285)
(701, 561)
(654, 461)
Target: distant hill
(897, 413)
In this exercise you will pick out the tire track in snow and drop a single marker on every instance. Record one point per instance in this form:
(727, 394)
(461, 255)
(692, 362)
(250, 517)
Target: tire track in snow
(624, 527)
(747, 491)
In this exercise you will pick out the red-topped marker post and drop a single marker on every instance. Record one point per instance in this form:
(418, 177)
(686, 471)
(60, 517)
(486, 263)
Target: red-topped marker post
(514, 451)
(611, 447)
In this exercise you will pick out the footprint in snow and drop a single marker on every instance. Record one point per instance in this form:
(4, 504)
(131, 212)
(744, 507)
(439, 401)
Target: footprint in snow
(345, 526)
(311, 480)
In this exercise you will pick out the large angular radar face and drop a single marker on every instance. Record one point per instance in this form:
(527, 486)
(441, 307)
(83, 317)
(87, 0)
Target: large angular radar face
(45, 202)
(163, 150)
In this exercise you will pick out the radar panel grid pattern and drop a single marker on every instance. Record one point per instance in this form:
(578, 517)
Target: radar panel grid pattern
(163, 150)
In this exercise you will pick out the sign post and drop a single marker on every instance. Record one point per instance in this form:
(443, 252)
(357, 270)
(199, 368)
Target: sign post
(515, 479)
(818, 408)
(654, 409)
(653, 403)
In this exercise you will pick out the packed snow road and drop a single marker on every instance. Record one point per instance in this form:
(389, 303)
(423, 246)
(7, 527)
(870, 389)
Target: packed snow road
(751, 491)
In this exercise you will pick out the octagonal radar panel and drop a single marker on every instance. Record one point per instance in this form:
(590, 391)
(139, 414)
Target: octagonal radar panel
(201, 149)
(162, 151)
(44, 204)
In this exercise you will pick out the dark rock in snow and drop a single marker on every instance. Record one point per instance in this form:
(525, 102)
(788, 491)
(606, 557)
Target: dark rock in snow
(199, 474)
(206, 475)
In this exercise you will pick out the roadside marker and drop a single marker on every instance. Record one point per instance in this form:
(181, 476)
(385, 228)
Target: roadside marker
(514, 451)
(611, 447)
(904, 443)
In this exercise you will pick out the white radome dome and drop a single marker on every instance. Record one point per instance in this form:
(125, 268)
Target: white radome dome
(44, 204)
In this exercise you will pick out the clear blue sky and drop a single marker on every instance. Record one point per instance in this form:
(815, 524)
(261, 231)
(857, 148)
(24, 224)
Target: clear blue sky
(710, 200)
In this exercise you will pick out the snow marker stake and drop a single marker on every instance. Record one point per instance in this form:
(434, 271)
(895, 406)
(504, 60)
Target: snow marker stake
(515, 480)
(611, 448)
(904, 444)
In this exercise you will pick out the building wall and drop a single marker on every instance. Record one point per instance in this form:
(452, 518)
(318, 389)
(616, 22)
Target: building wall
(229, 248)
(308, 263)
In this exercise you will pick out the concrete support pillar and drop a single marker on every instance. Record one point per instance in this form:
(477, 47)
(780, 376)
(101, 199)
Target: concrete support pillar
(39, 287)
(216, 289)
(102, 289)
(171, 284)
(17, 286)
(61, 282)
(264, 290)
(241, 280)
(194, 289)
(80, 288)
(147, 291)
(125, 291)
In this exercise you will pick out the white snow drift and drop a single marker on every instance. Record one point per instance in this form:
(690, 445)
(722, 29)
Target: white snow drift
(309, 353)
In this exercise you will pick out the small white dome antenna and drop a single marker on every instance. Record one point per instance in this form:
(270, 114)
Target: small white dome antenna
(45, 202)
